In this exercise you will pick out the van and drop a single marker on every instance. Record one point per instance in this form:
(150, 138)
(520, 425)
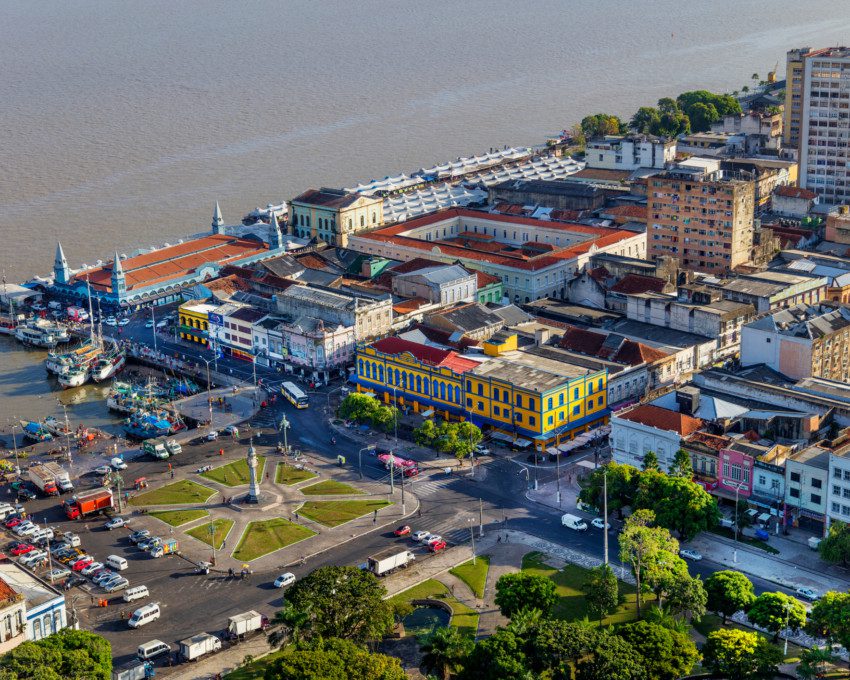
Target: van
(144, 615)
(6, 510)
(116, 562)
(573, 522)
(152, 649)
(136, 593)
(726, 522)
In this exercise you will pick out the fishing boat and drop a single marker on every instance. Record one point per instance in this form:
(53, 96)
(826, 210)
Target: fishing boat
(148, 425)
(74, 377)
(58, 330)
(7, 324)
(107, 366)
(61, 362)
(53, 425)
(32, 335)
(35, 432)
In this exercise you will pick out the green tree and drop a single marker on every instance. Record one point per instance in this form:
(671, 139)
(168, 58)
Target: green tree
(835, 547)
(622, 484)
(358, 407)
(739, 655)
(681, 465)
(645, 120)
(744, 519)
(813, 662)
(425, 434)
(288, 625)
(499, 656)
(385, 418)
(332, 659)
(668, 654)
(613, 659)
(772, 611)
(342, 602)
(724, 104)
(650, 461)
(601, 591)
(672, 120)
(645, 548)
(830, 618)
(602, 124)
(556, 646)
(686, 595)
(702, 116)
(515, 592)
(729, 592)
(67, 654)
(680, 505)
(445, 650)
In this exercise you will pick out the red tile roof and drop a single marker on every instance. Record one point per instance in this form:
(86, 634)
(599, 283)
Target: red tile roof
(626, 213)
(485, 279)
(602, 174)
(662, 419)
(795, 192)
(580, 340)
(411, 305)
(426, 354)
(593, 344)
(444, 337)
(632, 284)
(7, 592)
(712, 441)
(636, 353)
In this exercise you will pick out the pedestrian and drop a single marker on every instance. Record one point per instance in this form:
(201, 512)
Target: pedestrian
(296, 515)
(92, 600)
(267, 475)
(172, 474)
(506, 538)
(419, 512)
(499, 538)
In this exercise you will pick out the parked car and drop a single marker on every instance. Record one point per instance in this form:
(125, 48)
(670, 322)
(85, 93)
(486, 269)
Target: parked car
(102, 470)
(434, 538)
(148, 324)
(115, 523)
(123, 322)
(599, 523)
(12, 522)
(57, 573)
(482, 450)
(286, 579)
(690, 554)
(231, 430)
(420, 536)
(82, 563)
(90, 569)
(437, 546)
(137, 536)
(33, 557)
(21, 549)
(117, 584)
(212, 435)
(403, 530)
(103, 577)
(808, 594)
(26, 493)
(118, 463)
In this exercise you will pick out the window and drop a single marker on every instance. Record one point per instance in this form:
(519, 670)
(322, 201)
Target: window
(575, 393)
(762, 480)
(519, 417)
(794, 493)
(590, 403)
(495, 394)
(519, 400)
(480, 405)
(551, 420)
(531, 420)
(561, 399)
(815, 498)
(795, 476)
(576, 410)
(549, 403)
(531, 404)
(480, 389)
(836, 473)
(816, 484)
(496, 411)
(469, 402)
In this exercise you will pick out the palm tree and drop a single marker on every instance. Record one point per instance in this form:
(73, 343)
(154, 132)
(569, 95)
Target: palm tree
(523, 621)
(755, 76)
(812, 662)
(445, 650)
(290, 623)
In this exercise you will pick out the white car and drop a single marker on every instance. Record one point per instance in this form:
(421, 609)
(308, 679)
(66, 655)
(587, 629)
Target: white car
(123, 322)
(57, 573)
(599, 523)
(27, 529)
(110, 321)
(148, 324)
(420, 536)
(102, 470)
(690, 554)
(161, 324)
(212, 435)
(115, 523)
(286, 579)
(433, 538)
(93, 567)
(33, 558)
(482, 450)
(116, 584)
(808, 594)
(118, 463)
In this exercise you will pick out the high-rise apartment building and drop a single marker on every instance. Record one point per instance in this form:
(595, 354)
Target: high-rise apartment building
(818, 119)
(701, 217)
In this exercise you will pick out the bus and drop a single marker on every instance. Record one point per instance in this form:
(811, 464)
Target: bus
(295, 395)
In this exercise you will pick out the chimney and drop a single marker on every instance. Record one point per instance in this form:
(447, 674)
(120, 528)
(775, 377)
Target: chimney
(541, 336)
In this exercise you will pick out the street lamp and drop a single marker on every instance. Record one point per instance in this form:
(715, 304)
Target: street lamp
(787, 616)
(209, 392)
(153, 327)
(284, 425)
(735, 551)
(15, 447)
(472, 536)
(371, 447)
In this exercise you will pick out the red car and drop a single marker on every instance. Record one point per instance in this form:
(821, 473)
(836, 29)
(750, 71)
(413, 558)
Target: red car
(11, 523)
(403, 530)
(439, 545)
(82, 564)
(22, 549)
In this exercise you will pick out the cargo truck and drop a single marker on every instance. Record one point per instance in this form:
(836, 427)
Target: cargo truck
(168, 546)
(245, 623)
(156, 448)
(389, 560)
(60, 476)
(43, 480)
(133, 670)
(198, 645)
(88, 503)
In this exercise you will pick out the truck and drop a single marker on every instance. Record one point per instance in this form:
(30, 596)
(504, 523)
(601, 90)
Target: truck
(43, 480)
(156, 448)
(173, 447)
(60, 476)
(389, 560)
(573, 522)
(244, 623)
(198, 645)
(88, 503)
(168, 546)
(133, 670)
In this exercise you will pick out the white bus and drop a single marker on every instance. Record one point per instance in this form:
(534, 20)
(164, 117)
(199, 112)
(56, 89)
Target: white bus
(294, 394)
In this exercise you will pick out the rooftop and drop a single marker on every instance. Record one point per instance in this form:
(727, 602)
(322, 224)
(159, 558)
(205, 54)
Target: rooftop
(530, 372)
(35, 591)
(661, 418)
(804, 321)
(637, 283)
(795, 192)
(425, 354)
(549, 187)
(327, 198)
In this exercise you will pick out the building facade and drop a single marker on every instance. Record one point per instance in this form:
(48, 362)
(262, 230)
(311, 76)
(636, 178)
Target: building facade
(701, 219)
(444, 284)
(194, 318)
(644, 428)
(332, 215)
(838, 506)
(630, 152)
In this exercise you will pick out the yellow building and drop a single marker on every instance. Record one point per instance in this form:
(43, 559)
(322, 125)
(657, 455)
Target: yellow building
(194, 321)
(519, 394)
(332, 215)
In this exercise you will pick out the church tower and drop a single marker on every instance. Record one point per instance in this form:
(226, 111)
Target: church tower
(61, 273)
(217, 220)
(119, 284)
(275, 237)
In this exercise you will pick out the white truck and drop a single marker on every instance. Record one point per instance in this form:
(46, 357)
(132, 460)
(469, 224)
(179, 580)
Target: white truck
(389, 560)
(198, 645)
(133, 670)
(573, 522)
(245, 623)
(43, 480)
(60, 476)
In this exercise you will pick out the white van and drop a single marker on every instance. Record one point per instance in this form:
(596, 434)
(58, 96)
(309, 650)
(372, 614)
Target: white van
(574, 522)
(136, 593)
(152, 649)
(144, 615)
(116, 562)
(6, 510)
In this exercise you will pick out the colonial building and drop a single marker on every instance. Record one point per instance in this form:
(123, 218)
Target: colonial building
(194, 320)
(645, 428)
(43, 605)
(445, 284)
(332, 215)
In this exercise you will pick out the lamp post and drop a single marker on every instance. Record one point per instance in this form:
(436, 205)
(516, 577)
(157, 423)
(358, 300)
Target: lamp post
(735, 550)
(480, 517)
(153, 327)
(209, 391)
(605, 514)
(371, 447)
(284, 425)
(558, 476)
(15, 447)
(787, 616)
(68, 437)
(472, 536)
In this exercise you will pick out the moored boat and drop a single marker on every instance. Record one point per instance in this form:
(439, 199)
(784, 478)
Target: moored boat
(107, 366)
(74, 377)
(34, 336)
(35, 432)
(149, 425)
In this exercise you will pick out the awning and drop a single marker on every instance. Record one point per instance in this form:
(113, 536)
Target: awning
(764, 517)
(521, 443)
(369, 394)
(552, 451)
(427, 413)
(502, 437)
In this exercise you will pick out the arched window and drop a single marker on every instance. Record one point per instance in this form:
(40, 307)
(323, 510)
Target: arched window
(443, 391)
(47, 624)
(381, 373)
(362, 220)
(368, 370)
(374, 218)
(360, 370)
(404, 381)
(36, 629)
(418, 383)
(457, 395)
(396, 377)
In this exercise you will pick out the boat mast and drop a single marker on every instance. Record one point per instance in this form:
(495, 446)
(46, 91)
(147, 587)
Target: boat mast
(91, 314)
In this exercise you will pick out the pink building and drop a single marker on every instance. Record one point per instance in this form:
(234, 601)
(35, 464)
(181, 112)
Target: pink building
(735, 472)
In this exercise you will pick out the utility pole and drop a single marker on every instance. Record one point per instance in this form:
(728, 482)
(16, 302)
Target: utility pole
(472, 536)
(153, 327)
(209, 390)
(392, 469)
(371, 447)
(403, 511)
(15, 447)
(605, 514)
(558, 477)
(68, 437)
(480, 518)
(284, 425)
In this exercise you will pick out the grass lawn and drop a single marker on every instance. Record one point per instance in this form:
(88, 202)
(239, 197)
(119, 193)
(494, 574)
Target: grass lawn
(330, 487)
(184, 492)
(221, 527)
(264, 537)
(463, 618)
(473, 575)
(711, 622)
(235, 473)
(287, 474)
(178, 518)
(749, 540)
(255, 669)
(571, 605)
(334, 513)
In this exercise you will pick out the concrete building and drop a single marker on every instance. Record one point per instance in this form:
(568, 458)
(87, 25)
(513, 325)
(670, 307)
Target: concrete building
(762, 131)
(644, 428)
(13, 617)
(838, 497)
(304, 342)
(630, 152)
(767, 174)
(711, 144)
(838, 226)
(231, 329)
(557, 194)
(444, 284)
(332, 215)
(471, 320)
(370, 317)
(793, 202)
(793, 110)
(194, 319)
(807, 484)
(700, 218)
(770, 290)
(800, 342)
(44, 605)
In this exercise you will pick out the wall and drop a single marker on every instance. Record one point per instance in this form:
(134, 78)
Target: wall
(790, 356)
(631, 441)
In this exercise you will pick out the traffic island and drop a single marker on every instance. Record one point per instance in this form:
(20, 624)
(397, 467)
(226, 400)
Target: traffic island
(464, 618)
(333, 513)
(267, 536)
(235, 473)
(330, 487)
(474, 574)
(291, 475)
(184, 492)
(212, 533)
(178, 518)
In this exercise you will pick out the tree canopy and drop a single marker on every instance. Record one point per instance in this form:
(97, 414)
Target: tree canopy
(738, 654)
(648, 550)
(445, 651)
(692, 111)
(668, 654)
(728, 592)
(457, 439)
(601, 591)
(772, 611)
(830, 618)
(363, 409)
(68, 654)
(342, 602)
(835, 547)
(622, 484)
(613, 658)
(332, 659)
(499, 656)
(601, 124)
(515, 592)
(679, 504)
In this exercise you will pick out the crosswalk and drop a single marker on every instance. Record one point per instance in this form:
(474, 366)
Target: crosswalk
(429, 486)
